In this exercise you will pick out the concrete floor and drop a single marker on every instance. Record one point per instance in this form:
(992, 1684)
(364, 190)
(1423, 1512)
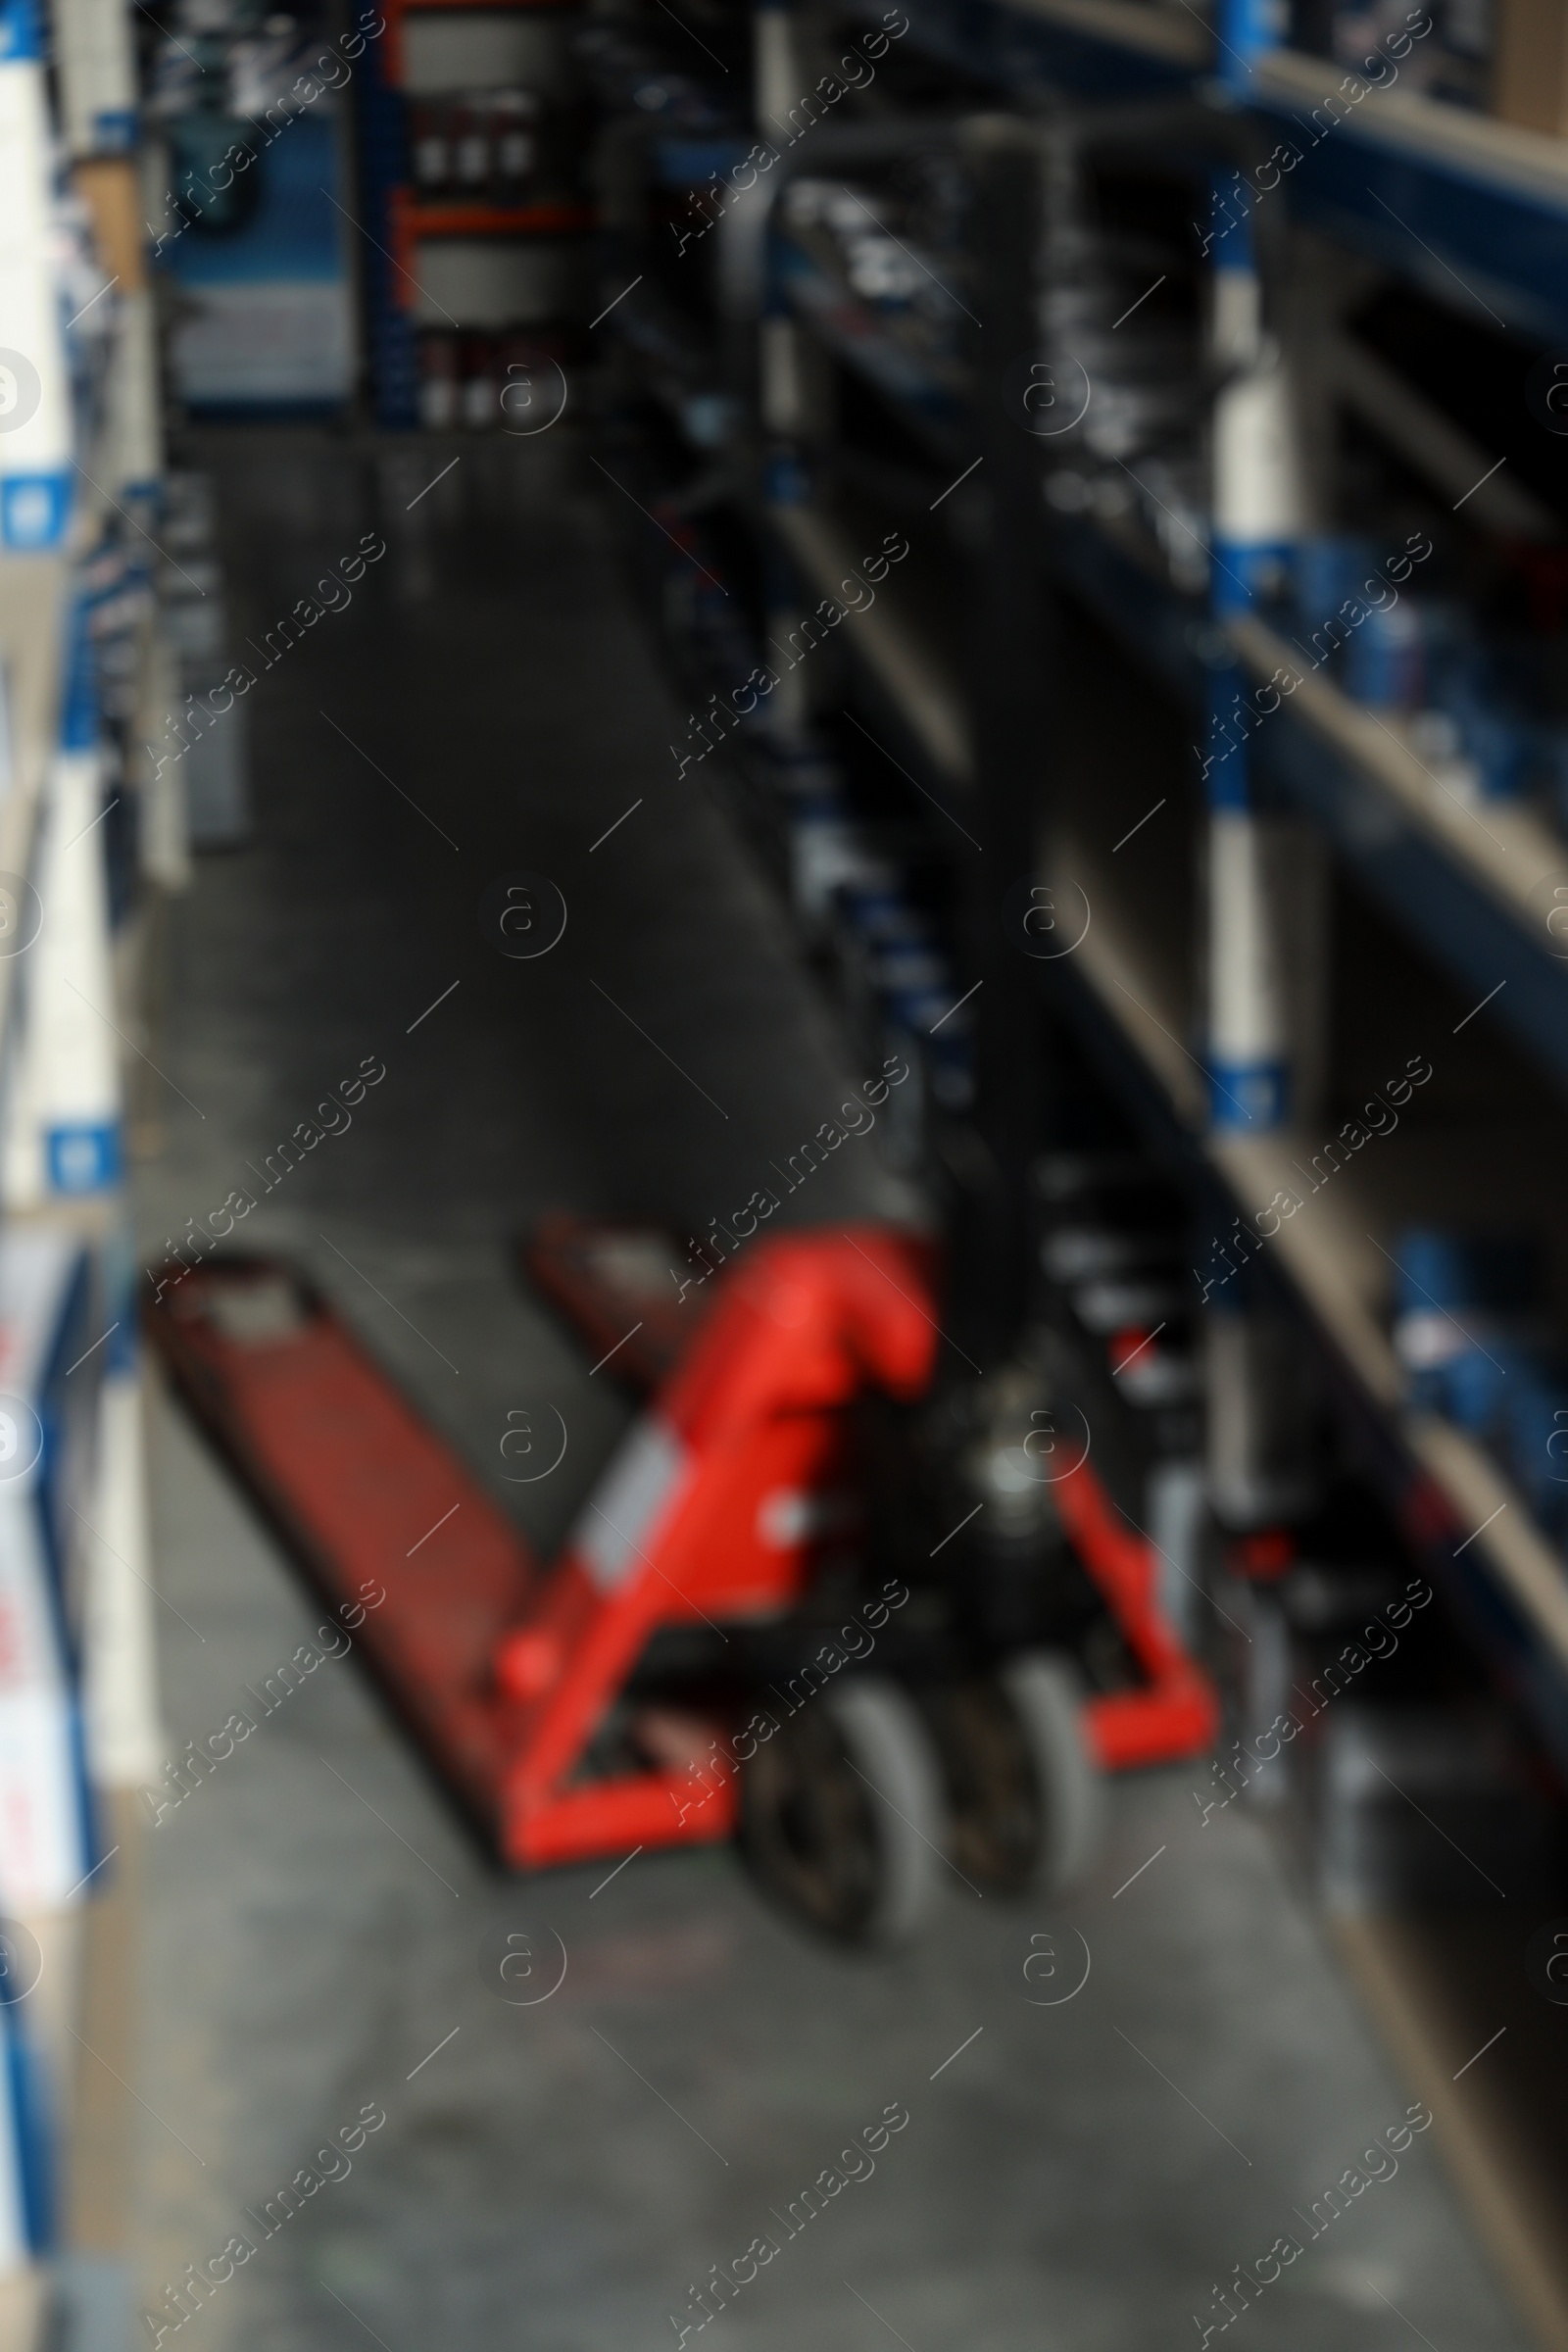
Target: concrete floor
(559, 2176)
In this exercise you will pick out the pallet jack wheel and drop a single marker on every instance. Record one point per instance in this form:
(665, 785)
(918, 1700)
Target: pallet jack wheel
(1026, 1796)
(843, 1815)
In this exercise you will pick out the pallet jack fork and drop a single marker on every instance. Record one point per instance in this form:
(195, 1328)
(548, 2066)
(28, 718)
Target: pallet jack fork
(505, 1672)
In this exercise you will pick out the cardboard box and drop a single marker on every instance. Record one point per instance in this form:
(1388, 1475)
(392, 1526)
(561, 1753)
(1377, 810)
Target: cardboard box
(1530, 65)
(107, 186)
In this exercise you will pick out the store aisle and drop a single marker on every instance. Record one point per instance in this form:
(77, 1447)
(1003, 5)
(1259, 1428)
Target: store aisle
(445, 729)
(563, 2176)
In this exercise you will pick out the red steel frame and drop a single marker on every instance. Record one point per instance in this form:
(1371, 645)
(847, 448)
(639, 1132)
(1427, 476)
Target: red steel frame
(506, 1674)
(412, 219)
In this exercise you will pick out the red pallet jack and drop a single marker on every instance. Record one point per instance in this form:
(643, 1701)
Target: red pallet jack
(514, 1678)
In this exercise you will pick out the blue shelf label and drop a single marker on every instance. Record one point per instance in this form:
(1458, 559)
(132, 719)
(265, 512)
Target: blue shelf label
(85, 1157)
(34, 510)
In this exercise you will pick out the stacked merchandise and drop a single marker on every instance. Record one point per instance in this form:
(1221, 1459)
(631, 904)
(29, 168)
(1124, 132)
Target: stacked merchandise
(1509, 58)
(1453, 58)
(855, 878)
(669, 138)
(49, 1844)
(79, 496)
(215, 764)
(1455, 645)
(876, 270)
(1120, 311)
(469, 146)
(821, 802)
(898, 985)
(876, 243)
(481, 147)
(1479, 691)
(491, 382)
(1473, 1328)
(247, 164)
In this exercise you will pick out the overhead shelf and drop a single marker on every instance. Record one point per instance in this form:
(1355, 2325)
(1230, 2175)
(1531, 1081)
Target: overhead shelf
(930, 396)
(1500, 850)
(1449, 1484)
(1471, 878)
(1472, 209)
(1461, 876)
(1154, 30)
(1097, 48)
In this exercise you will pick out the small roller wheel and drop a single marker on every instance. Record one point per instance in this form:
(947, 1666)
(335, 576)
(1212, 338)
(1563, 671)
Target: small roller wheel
(842, 1818)
(1025, 1795)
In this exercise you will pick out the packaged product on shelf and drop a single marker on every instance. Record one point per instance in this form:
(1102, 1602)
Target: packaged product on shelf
(189, 513)
(480, 403)
(438, 381)
(1472, 1329)
(482, 145)
(1451, 56)
(1461, 1303)
(488, 381)
(528, 387)
(191, 594)
(87, 292)
(35, 454)
(430, 142)
(1484, 695)
(1499, 744)
(471, 143)
(117, 592)
(1530, 74)
(30, 2128)
(1385, 663)
(45, 1839)
(254, 243)
(46, 1830)
(515, 146)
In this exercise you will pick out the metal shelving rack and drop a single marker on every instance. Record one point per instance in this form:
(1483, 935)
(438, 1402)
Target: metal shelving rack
(1470, 212)
(400, 221)
(86, 682)
(1463, 883)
